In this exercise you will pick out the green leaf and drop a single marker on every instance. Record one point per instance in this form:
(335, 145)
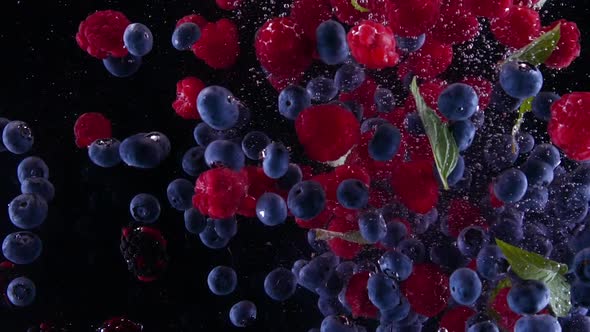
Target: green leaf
(532, 266)
(358, 7)
(525, 107)
(444, 147)
(354, 237)
(539, 50)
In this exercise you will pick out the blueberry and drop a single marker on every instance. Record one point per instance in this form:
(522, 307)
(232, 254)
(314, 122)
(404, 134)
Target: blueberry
(32, 167)
(397, 313)
(39, 186)
(510, 186)
(275, 160)
(570, 207)
(226, 228)
(222, 280)
(328, 305)
(204, 134)
(385, 143)
(501, 102)
(413, 248)
(546, 153)
(541, 105)
(384, 100)
(396, 265)
(27, 211)
(194, 221)
(122, 67)
(319, 246)
(575, 323)
(485, 326)
(144, 208)
(291, 177)
(581, 175)
(491, 263)
(185, 36)
(371, 124)
(218, 107)
(141, 152)
(292, 100)
(253, 144)
(138, 39)
(396, 231)
(457, 173)
(580, 293)
(582, 265)
(306, 200)
(458, 102)
(536, 323)
(528, 297)
(447, 255)
(242, 314)
(349, 77)
(280, 284)
(21, 292)
(465, 286)
(352, 194)
(104, 152)
(538, 173)
(271, 209)
(410, 44)
(353, 106)
(478, 119)
(331, 42)
(316, 273)
(297, 266)
(3, 123)
(520, 79)
(224, 153)
(22, 247)
(372, 226)
(414, 124)
(180, 194)
(471, 240)
(336, 324)
(463, 132)
(17, 137)
(193, 161)
(161, 140)
(210, 238)
(383, 291)
(526, 142)
(322, 89)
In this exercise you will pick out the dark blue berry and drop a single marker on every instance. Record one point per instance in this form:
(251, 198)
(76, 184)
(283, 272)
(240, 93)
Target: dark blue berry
(3, 123)
(331, 42)
(463, 132)
(292, 100)
(122, 67)
(458, 102)
(384, 100)
(385, 142)
(372, 226)
(396, 265)
(322, 89)
(104, 152)
(22, 247)
(271, 209)
(204, 134)
(27, 211)
(222, 280)
(185, 36)
(457, 173)
(39, 186)
(21, 292)
(383, 291)
(491, 263)
(276, 160)
(546, 153)
(337, 324)
(485, 326)
(414, 124)
(17, 137)
(526, 142)
(226, 228)
(582, 265)
(218, 107)
(210, 238)
(510, 186)
(410, 44)
(224, 153)
(180, 194)
(253, 144)
(541, 105)
(194, 221)
(349, 77)
(306, 200)
(193, 161)
(538, 173)
(352, 194)
(280, 284)
(32, 167)
(413, 248)
(371, 124)
(465, 286)
(291, 177)
(396, 231)
(471, 240)
(145, 208)
(537, 323)
(528, 297)
(520, 79)
(141, 151)
(243, 314)
(138, 39)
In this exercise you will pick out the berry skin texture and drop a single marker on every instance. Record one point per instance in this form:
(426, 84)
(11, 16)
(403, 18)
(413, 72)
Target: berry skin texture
(455, 320)
(101, 34)
(138, 39)
(222, 280)
(242, 314)
(385, 143)
(568, 47)
(218, 107)
(518, 27)
(455, 24)
(415, 185)
(219, 192)
(427, 289)
(90, 127)
(429, 61)
(32, 167)
(280, 284)
(541, 105)
(537, 323)
(21, 292)
(465, 286)
(327, 143)
(396, 265)
(187, 91)
(38, 186)
(104, 152)
(568, 125)
(582, 265)
(309, 14)
(357, 296)
(22, 247)
(413, 18)
(306, 200)
(458, 102)
(528, 297)
(218, 46)
(352, 194)
(145, 208)
(372, 226)
(331, 43)
(292, 101)
(340, 247)
(271, 209)
(122, 67)
(511, 185)
(463, 132)
(27, 211)
(185, 36)
(17, 137)
(491, 9)
(520, 79)
(373, 45)
(383, 291)
(224, 153)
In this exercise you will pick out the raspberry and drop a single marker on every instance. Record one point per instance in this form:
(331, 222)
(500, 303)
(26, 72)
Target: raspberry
(413, 18)
(494, 201)
(482, 87)
(309, 14)
(376, 169)
(228, 4)
(258, 182)
(364, 95)
(279, 82)
(329, 184)
(490, 8)
(427, 289)
(343, 248)
(346, 13)
(219, 192)
(318, 222)
(324, 142)
(218, 46)
(568, 126)
(462, 214)
(120, 324)
(372, 45)
(415, 185)
(101, 34)
(432, 59)
(455, 24)
(144, 250)
(568, 48)
(379, 197)
(455, 319)
(90, 127)
(346, 172)
(507, 317)
(187, 91)
(357, 296)
(525, 3)
(518, 28)
(193, 18)
(281, 47)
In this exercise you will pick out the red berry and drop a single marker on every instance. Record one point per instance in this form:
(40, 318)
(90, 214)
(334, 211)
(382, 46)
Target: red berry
(218, 46)
(455, 24)
(432, 59)
(373, 45)
(219, 192)
(494, 201)
(507, 317)
(490, 8)
(228, 4)
(120, 324)
(258, 182)
(101, 34)
(343, 248)
(413, 18)
(324, 142)
(309, 14)
(346, 172)
(430, 91)
(279, 82)
(568, 126)
(455, 319)
(364, 95)
(379, 197)
(415, 185)
(462, 214)
(329, 184)
(482, 87)
(427, 289)
(357, 296)
(193, 18)
(346, 13)
(187, 91)
(525, 3)
(281, 47)
(90, 127)
(568, 48)
(518, 28)
(321, 221)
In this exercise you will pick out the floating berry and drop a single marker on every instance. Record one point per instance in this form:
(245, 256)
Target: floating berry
(28, 211)
(101, 34)
(429, 61)
(218, 107)
(90, 127)
(458, 102)
(120, 324)
(225, 153)
(104, 152)
(465, 286)
(228, 4)
(528, 297)
(222, 280)
(185, 36)
(517, 28)
(218, 46)
(363, 95)
(243, 314)
(520, 79)
(568, 47)
(541, 105)
(309, 14)
(122, 67)
(567, 127)
(22, 247)
(280, 284)
(373, 45)
(357, 296)
(340, 247)
(38, 186)
(138, 39)
(346, 13)
(21, 292)
(427, 289)
(491, 9)
(199, 20)
(331, 43)
(187, 91)
(455, 24)
(413, 18)
(482, 87)
(144, 251)
(462, 214)
(410, 44)
(219, 192)
(32, 167)
(349, 77)
(254, 143)
(17, 137)
(455, 319)
(415, 185)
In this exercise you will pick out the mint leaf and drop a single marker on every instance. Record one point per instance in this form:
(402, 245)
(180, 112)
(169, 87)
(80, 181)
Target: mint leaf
(525, 107)
(539, 50)
(358, 7)
(442, 142)
(532, 266)
(354, 237)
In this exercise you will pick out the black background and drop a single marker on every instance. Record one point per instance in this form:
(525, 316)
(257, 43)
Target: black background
(81, 278)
